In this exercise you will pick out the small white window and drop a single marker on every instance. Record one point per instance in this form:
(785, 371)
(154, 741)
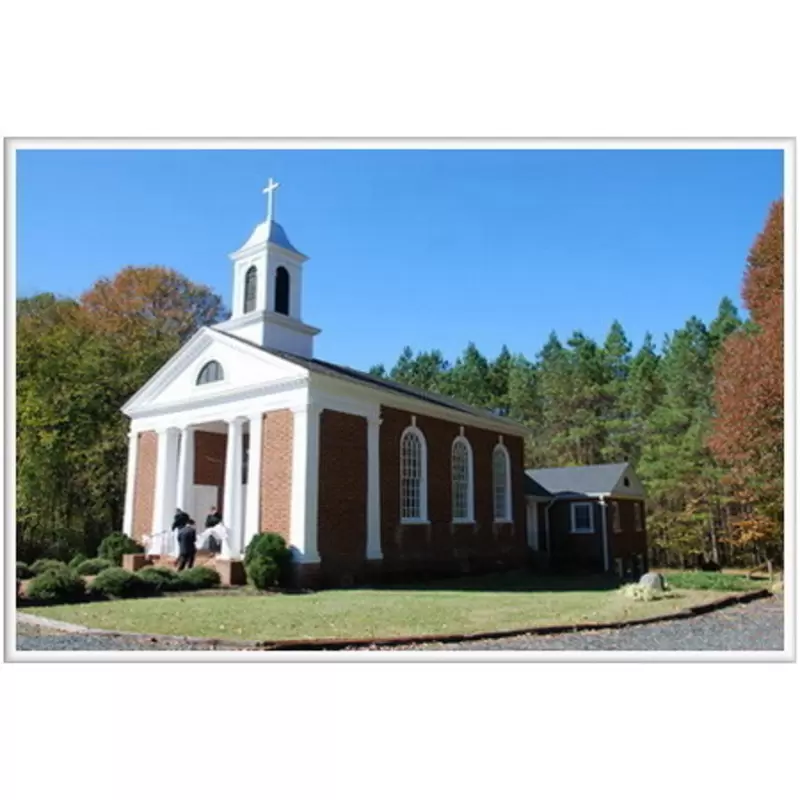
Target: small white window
(462, 481)
(637, 513)
(500, 484)
(413, 476)
(582, 521)
(615, 518)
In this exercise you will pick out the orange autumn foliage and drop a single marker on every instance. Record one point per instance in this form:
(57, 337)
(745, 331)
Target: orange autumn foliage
(748, 430)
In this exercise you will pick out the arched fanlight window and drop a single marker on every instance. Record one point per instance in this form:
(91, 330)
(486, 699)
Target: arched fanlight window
(500, 484)
(210, 373)
(282, 291)
(413, 476)
(461, 477)
(250, 285)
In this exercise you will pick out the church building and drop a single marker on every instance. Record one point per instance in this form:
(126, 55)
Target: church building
(366, 479)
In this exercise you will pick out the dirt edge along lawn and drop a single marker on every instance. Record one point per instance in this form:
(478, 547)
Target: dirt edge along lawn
(471, 606)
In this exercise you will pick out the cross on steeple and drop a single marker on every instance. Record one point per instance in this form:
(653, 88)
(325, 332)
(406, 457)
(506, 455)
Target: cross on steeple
(268, 190)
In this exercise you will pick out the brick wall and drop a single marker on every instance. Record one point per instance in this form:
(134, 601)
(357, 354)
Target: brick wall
(342, 499)
(443, 545)
(144, 484)
(581, 550)
(628, 542)
(276, 472)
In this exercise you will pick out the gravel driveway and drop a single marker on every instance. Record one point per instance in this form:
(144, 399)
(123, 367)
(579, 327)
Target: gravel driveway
(753, 626)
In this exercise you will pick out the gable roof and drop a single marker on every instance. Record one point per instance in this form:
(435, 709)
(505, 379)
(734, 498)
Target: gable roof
(594, 479)
(339, 372)
(534, 488)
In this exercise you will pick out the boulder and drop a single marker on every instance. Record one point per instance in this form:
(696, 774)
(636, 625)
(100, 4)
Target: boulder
(653, 580)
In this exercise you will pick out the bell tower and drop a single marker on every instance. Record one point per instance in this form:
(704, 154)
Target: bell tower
(268, 289)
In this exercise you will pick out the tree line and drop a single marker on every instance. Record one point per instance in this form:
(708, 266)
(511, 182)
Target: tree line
(700, 416)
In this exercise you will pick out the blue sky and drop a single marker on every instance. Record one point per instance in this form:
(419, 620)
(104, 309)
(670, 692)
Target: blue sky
(426, 248)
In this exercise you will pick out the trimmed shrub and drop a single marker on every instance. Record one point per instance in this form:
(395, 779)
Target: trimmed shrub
(118, 582)
(77, 560)
(56, 586)
(271, 546)
(23, 571)
(93, 566)
(163, 579)
(262, 572)
(43, 565)
(116, 545)
(199, 578)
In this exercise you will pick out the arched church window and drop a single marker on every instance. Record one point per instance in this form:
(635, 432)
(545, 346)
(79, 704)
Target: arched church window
(413, 476)
(282, 291)
(211, 372)
(500, 484)
(250, 284)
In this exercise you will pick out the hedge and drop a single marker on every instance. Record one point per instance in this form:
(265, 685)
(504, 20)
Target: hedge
(56, 586)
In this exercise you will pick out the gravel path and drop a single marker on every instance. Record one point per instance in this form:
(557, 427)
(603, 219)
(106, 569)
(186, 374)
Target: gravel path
(753, 626)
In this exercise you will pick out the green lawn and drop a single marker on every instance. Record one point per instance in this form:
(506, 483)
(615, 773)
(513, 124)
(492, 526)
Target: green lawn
(714, 581)
(464, 606)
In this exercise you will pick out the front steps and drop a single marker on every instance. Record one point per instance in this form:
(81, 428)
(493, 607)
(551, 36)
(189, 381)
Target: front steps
(231, 571)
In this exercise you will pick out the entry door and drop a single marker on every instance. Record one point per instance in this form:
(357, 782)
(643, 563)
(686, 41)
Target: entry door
(532, 524)
(204, 497)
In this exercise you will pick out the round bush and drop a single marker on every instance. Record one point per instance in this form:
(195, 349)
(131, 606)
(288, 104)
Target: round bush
(262, 572)
(23, 571)
(199, 578)
(93, 566)
(56, 586)
(43, 565)
(163, 579)
(118, 582)
(271, 546)
(116, 545)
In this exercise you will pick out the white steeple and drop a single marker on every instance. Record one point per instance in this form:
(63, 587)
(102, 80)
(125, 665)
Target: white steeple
(267, 288)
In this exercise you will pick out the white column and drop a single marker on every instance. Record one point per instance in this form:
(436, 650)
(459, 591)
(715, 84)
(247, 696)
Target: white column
(253, 514)
(374, 551)
(130, 482)
(164, 501)
(233, 487)
(186, 471)
(305, 483)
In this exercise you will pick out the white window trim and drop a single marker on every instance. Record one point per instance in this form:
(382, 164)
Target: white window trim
(615, 516)
(423, 483)
(221, 382)
(470, 518)
(507, 517)
(573, 524)
(638, 514)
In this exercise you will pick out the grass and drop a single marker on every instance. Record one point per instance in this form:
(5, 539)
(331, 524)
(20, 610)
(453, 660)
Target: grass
(714, 581)
(468, 605)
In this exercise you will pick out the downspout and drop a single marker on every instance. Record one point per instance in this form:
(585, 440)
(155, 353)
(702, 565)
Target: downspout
(605, 530)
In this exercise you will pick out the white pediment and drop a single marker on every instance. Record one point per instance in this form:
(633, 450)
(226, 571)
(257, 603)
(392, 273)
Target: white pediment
(245, 368)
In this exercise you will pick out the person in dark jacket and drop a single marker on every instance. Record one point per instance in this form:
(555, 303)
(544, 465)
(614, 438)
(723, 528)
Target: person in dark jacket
(180, 519)
(212, 520)
(187, 545)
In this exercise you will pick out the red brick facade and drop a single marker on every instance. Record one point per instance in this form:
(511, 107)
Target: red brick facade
(144, 484)
(585, 550)
(442, 546)
(276, 472)
(342, 498)
(628, 543)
